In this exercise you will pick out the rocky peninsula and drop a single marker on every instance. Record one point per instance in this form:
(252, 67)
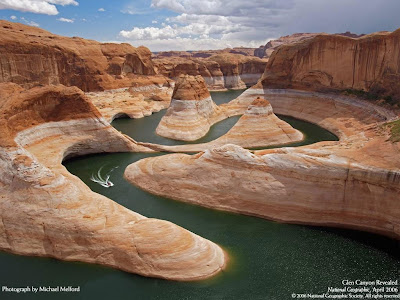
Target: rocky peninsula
(192, 111)
(45, 210)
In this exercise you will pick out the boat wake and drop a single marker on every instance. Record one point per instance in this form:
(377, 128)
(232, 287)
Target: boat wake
(98, 178)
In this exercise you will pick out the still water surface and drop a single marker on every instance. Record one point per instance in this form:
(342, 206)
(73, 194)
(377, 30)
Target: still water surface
(268, 260)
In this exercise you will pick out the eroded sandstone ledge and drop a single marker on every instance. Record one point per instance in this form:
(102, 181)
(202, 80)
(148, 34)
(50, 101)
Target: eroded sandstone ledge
(257, 127)
(191, 112)
(148, 95)
(46, 211)
(221, 70)
(352, 183)
(369, 63)
(32, 56)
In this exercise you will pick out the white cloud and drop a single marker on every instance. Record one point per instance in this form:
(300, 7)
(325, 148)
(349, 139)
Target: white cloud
(221, 7)
(13, 17)
(30, 23)
(215, 24)
(101, 9)
(65, 20)
(192, 26)
(154, 22)
(185, 44)
(47, 7)
(208, 24)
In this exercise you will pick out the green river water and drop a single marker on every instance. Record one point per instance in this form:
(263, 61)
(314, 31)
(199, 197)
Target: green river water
(268, 260)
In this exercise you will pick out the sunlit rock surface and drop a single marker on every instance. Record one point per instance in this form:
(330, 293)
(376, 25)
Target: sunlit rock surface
(46, 211)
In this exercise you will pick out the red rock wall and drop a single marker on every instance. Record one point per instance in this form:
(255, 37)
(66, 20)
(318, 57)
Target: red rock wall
(32, 56)
(370, 63)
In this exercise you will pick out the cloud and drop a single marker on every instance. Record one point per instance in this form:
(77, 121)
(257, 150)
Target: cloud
(101, 9)
(216, 24)
(30, 23)
(154, 22)
(47, 7)
(13, 17)
(168, 31)
(65, 20)
(185, 44)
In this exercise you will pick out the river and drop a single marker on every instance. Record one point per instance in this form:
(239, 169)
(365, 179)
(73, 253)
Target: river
(268, 260)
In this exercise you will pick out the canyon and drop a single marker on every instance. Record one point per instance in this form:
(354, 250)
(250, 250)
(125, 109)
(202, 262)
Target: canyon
(370, 63)
(58, 96)
(31, 56)
(54, 214)
(352, 183)
(221, 71)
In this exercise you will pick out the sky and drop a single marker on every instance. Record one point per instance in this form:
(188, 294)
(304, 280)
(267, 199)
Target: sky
(163, 25)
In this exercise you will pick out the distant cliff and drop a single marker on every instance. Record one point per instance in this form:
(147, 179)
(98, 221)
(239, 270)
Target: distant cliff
(31, 56)
(266, 50)
(223, 70)
(369, 64)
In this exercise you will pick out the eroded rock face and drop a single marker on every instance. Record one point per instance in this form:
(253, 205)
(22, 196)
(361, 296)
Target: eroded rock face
(46, 211)
(192, 111)
(266, 50)
(353, 183)
(31, 56)
(369, 63)
(221, 70)
(259, 127)
(145, 96)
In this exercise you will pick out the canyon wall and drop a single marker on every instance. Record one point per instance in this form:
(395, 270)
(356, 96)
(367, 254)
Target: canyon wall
(352, 183)
(221, 71)
(31, 56)
(370, 63)
(266, 50)
(46, 211)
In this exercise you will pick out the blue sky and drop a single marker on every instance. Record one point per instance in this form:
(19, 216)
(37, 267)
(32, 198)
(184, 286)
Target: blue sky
(202, 24)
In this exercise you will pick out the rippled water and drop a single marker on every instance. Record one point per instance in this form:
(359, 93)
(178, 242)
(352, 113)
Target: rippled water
(268, 260)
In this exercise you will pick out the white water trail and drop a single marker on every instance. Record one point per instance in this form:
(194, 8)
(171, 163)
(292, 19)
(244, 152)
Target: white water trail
(98, 178)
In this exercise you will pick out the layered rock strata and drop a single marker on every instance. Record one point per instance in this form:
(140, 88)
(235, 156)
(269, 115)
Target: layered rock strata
(258, 127)
(31, 56)
(192, 111)
(352, 183)
(145, 97)
(221, 71)
(46, 211)
(267, 50)
(369, 63)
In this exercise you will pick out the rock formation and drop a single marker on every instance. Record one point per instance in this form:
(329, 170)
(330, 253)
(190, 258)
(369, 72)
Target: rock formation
(46, 211)
(370, 63)
(258, 127)
(31, 56)
(266, 50)
(353, 183)
(206, 53)
(192, 111)
(220, 71)
(146, 95)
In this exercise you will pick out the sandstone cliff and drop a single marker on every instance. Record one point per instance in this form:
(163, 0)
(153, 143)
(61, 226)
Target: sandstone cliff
(46, 211)
(257, 127)
(353, 183)
(147, 94)
(220, 70)
(266, 50)
(370, 63)
(32, 56)
(192, 111)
